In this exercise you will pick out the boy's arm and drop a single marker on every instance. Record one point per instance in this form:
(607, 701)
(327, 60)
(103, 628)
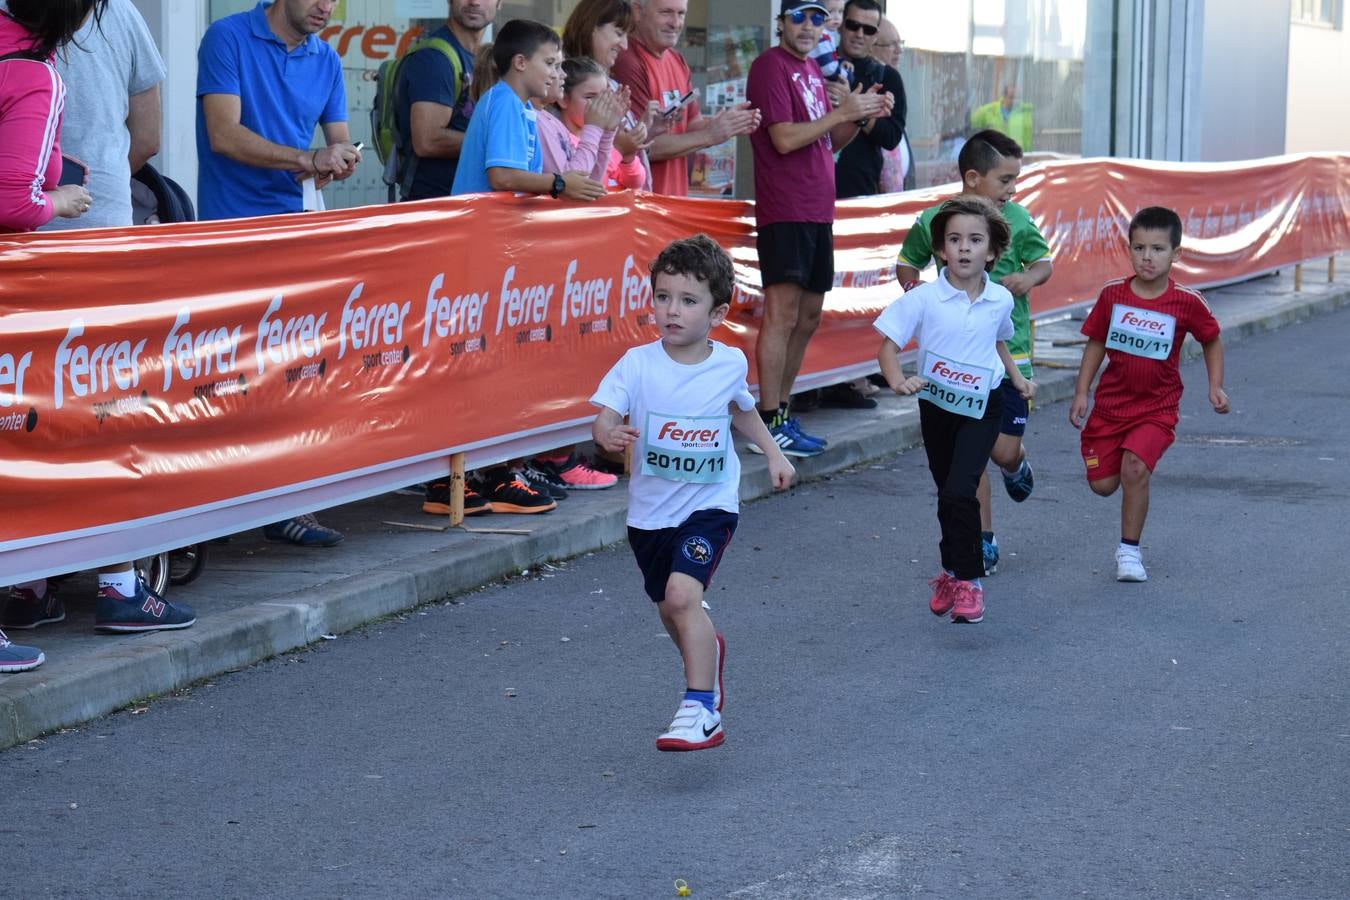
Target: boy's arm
(577, 185)
(1093, 354)
(889, 359)
(1024, 387)
(1218, 397)
(749, 423)
(610, 433)
(1036, 274)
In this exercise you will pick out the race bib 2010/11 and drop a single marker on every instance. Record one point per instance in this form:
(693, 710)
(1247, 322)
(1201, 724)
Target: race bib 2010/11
(1141, 332)
(956, 386)
(686, 448)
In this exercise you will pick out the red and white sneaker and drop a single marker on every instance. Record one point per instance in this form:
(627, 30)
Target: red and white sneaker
(694, 728)
(575, 474)
(968, 602)
(721, 661)
(941, 602)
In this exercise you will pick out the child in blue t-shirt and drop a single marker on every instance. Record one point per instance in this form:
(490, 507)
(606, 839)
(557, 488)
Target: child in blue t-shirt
(501, 145)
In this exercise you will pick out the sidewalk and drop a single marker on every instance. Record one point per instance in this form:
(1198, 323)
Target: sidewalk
(257, 599)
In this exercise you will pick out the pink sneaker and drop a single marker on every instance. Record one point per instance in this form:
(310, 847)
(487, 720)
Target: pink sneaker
(577, 475)
(968, 605)
(942, 600)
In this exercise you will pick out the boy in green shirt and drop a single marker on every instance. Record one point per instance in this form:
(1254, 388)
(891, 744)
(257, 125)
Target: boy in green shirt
(990, 163)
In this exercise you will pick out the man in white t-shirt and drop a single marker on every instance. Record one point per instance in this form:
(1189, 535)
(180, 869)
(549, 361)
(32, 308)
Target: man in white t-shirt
(112, 72)
(682, 395)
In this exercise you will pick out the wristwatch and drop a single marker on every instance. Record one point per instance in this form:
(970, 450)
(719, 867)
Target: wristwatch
(559, 185)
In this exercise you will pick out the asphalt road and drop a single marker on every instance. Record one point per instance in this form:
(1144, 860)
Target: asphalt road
(1188, 737)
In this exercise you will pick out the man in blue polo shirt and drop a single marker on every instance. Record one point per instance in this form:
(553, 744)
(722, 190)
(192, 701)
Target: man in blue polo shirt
(264, 80)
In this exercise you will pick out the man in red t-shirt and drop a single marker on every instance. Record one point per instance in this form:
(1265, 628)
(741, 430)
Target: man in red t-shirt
(1139, 325)
(794, 203)
(656, 73)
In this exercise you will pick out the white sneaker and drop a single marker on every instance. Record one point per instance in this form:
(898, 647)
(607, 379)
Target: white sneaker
(694, 728)
(1130, 564)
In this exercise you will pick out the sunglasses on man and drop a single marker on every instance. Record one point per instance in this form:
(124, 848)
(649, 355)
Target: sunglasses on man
(798, 16)
(855, 25)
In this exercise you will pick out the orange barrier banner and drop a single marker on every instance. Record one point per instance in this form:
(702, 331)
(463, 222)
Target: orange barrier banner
(166, 384)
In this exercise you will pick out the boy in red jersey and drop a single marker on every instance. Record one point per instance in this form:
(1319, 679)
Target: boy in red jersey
(1140, 324)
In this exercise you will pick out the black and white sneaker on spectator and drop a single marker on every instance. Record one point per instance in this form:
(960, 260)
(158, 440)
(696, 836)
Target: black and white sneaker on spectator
(544, 481)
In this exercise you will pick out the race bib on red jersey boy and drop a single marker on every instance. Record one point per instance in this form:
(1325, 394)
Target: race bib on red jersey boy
(686, 448)
(956, 386)
(1141, 332)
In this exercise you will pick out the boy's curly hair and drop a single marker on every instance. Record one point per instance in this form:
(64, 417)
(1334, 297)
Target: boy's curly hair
(1000, 235)
(704, 259)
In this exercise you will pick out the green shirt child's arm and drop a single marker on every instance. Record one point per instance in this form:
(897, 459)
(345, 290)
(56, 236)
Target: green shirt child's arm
(1020, 283)
(1025, 387)
(915, 254)
(1093, 354)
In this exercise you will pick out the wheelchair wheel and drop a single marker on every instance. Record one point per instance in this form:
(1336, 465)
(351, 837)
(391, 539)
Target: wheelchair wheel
(186, 563)
(154, 572)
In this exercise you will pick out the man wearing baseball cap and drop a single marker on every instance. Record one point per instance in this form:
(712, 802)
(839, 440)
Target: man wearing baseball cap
(794, 203)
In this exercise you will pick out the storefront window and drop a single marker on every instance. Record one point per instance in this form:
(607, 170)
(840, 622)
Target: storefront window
(1014, 65)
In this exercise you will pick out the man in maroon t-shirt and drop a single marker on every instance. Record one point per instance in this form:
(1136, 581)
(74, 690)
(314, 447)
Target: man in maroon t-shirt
(794, 203)
(655, 72)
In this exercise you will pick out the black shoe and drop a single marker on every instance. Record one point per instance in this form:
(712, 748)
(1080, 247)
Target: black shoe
(844, 396)
(515, 496)
(437, 502)
(544, 480)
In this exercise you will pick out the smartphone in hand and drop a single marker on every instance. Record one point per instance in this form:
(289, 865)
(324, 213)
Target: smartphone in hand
(73, 171)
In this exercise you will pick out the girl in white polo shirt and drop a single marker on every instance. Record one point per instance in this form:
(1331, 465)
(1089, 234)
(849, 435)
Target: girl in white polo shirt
(962, 321)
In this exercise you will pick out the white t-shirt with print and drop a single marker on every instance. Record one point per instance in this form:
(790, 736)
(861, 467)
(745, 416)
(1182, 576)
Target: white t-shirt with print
(683, 415)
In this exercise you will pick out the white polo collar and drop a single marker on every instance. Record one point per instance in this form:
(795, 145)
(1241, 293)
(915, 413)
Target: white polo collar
(948, 291)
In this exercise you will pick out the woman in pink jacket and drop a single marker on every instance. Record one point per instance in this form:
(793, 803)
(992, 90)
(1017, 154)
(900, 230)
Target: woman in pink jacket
(31, 101)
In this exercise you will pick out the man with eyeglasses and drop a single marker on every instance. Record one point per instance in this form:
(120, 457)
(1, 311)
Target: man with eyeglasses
(858, 171)
(794, 203)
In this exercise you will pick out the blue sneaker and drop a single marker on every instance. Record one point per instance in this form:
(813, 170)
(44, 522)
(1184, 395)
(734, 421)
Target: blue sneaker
(143, 611)
(303, 531)
(17, 658)
(1019, 485)
(796, 425)
(791, 442)
(990, 556)
(24, 609)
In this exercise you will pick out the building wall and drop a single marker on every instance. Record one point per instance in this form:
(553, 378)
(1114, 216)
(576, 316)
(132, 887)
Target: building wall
(1241, 97)
(1319, 70)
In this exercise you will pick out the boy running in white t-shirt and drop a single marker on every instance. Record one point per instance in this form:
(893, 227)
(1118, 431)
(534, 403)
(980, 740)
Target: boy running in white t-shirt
(682, 395)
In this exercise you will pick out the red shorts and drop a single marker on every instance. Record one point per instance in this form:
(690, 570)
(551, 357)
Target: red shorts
(1103, 442)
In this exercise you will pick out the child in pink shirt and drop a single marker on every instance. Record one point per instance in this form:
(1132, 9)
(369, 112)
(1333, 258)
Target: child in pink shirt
(587, 103)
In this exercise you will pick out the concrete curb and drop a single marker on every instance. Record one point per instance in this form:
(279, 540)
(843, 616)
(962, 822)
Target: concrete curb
(74, 690)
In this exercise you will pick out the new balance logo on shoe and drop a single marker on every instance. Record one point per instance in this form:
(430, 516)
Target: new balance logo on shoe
(154, 606)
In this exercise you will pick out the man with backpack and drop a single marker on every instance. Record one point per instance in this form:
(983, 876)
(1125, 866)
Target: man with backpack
(431, 101)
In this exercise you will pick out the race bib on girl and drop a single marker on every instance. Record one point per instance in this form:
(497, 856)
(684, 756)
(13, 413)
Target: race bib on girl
(956, 386)
(1141, 332)
(686, 448)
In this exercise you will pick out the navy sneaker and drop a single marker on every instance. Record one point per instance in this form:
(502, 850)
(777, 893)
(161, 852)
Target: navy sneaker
(303, 531)
(796, 425)
(791, 442)
(990, 556)
(1019, 485)
(24, 609)
(17, 658)
(143, 611)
